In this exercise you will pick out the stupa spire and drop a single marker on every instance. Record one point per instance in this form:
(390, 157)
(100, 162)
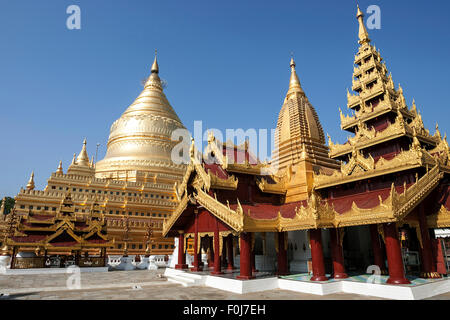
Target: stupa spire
(83, 159)
(294, 82)
(60, 169)
(155, 67)
(363, 34)
(30, 184)
(153, 82)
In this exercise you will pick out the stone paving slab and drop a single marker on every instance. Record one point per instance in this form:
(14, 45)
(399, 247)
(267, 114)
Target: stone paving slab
(87, 279)
(117, 285)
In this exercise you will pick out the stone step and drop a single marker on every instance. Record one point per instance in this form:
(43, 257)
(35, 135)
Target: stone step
(191, 276)
(184, 281)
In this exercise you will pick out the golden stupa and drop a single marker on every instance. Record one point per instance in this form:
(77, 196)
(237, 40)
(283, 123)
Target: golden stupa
(140, 145)
(299, 132)
(300, 149)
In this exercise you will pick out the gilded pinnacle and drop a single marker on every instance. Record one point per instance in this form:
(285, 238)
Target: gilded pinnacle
(30, 184)
(60, 169)
(155, 67)
(363, 35)
(83, 158)
(294, 82)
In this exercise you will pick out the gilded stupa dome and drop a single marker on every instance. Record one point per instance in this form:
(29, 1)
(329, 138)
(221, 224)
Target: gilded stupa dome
(139, 144)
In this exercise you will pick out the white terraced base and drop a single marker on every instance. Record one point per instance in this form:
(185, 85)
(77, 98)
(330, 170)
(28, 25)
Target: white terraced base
(184, 278)
(395, 292)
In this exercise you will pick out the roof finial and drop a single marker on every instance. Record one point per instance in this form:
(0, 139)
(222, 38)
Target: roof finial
(60, 169)
(155, 67)
(363, 35)
(30, 184)
(83, 158)
(294, 82)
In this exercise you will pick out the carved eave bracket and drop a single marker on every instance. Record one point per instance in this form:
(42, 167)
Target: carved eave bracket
(357, 163)
(275, 188)
(181, 207)
(218, 183)
(233, 218)
(441, 219)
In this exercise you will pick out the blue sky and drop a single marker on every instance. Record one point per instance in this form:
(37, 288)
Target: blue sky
(226, 63)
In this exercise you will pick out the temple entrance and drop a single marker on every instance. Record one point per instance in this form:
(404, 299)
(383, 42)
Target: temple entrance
(411, 249)
(357, 249)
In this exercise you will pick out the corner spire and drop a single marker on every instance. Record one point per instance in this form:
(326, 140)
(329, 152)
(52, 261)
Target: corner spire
(60, 169)
(83, 158)
(30, 184)
(294, 82)
(155, 67)
(363, 34)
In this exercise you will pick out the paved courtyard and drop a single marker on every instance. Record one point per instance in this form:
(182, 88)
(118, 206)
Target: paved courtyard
(139, 285)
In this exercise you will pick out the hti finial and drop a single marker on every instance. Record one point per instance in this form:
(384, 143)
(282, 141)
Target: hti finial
(292, 64)
(155, 68)
(358, 11)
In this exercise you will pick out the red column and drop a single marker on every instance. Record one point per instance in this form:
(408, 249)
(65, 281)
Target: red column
(440, 260)
(318, 266)
(377, 248)
(196, 267)
(394, 255)
(282, 255)
(253, 254)
(217, 260)
(245, 252)
(337, 255)
(427, 250)
(230, 252)
(181, 256)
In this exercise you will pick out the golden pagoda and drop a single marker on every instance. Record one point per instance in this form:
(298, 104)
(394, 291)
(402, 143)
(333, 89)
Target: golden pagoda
(133, 185)
(140, 145)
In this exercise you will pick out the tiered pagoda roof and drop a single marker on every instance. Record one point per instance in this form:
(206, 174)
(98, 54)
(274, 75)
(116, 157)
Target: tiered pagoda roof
(392, 163)
(60, 232)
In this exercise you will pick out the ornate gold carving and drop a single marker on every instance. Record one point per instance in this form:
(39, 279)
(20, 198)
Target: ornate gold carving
(357, 161)
(441, 219)
(277, 188)
(229, 184)
(411, 158)
(234, 218)
(182, 205)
